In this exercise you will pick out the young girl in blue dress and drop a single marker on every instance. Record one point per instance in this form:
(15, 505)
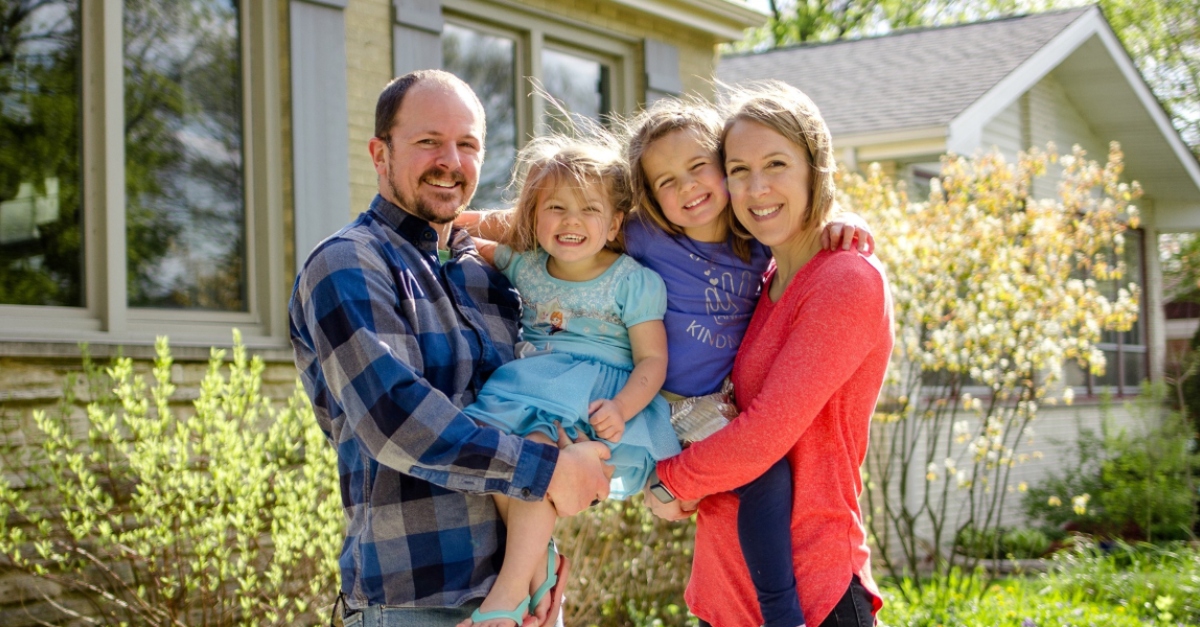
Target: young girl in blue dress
(596, 352)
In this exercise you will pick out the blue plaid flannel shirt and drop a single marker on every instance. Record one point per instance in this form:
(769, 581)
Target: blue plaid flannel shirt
(391, 345)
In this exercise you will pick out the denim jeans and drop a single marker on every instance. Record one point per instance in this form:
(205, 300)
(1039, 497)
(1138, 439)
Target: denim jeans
(765, 534)
(392, 616)
(853, 610)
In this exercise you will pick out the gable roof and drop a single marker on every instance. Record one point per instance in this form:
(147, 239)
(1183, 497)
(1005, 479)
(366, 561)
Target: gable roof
(939, 88)
(909, 79)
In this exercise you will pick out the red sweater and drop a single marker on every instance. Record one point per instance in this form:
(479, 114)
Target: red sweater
(807, 376)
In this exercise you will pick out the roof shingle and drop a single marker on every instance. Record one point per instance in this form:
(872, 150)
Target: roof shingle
(908, 79)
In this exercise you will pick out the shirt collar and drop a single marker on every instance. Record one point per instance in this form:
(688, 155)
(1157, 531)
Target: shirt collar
(418, 232)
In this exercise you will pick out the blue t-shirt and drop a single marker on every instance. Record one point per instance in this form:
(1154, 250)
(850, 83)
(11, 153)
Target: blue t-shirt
(711, 294)
(588, 318)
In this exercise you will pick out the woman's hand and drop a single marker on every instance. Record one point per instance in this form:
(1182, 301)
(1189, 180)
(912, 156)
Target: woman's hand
(607, 419)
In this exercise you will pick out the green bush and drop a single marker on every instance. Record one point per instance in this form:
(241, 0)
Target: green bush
(1003, 543)
(1156, 582)
(224, 513)
(1125, 486)
(1127, 586)
(628, 567)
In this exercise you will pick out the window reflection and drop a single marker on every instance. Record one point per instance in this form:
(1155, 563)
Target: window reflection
(185, 217)
(580, 84)
(40, 235)
(486, 63)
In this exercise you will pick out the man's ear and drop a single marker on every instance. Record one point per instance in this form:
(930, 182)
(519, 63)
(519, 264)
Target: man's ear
(379, 155)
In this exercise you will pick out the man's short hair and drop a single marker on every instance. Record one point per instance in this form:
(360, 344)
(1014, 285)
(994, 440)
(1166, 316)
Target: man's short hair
(392, 97)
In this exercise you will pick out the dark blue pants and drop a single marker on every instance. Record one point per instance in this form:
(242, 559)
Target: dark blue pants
(765, 533)
(853, 610)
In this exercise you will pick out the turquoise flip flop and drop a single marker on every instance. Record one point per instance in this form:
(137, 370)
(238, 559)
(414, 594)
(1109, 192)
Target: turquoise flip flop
(517, 615)
(551, 576)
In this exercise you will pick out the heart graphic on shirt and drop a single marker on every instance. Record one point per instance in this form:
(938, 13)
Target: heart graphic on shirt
(708, 272)
(714, 281)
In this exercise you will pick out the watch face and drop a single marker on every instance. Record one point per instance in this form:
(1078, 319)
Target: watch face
(661, 493)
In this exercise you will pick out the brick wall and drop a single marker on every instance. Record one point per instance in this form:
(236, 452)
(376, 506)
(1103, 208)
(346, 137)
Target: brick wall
(368, 69)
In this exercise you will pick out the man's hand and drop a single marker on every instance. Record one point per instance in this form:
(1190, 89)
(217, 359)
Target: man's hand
(580, 478)
(675, 510)
(607, 419)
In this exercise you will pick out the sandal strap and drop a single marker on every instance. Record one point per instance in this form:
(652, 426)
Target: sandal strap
(516, 615)
(551, 576)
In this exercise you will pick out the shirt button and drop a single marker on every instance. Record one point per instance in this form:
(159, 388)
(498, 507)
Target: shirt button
(526, 492)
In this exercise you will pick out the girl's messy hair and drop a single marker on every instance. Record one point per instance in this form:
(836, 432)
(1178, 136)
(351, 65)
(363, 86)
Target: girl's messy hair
(791, 113)
(690, 113)
(586, 154)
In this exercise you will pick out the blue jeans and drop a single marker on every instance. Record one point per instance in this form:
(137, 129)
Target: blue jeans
(765, 534)
(392, 616)
(853, 610)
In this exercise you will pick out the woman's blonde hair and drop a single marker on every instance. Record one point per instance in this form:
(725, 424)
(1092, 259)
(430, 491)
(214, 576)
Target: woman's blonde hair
(791, 113)
(666, 116)
(554, 161)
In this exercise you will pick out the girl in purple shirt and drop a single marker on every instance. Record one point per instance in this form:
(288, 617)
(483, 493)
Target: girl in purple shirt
(683, 229)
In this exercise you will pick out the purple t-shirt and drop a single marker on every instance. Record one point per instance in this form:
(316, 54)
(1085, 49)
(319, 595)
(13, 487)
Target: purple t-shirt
(711, 294)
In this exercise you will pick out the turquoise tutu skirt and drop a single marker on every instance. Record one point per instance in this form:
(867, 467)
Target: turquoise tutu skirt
(531, 394)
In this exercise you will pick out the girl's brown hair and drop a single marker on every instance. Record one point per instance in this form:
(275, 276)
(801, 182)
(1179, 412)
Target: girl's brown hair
(663, 117)
(792, 114)
(553, 161)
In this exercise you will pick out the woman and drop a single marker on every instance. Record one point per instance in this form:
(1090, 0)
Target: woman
(807, 376)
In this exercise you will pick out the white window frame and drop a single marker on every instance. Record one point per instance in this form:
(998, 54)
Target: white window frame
(106, 317)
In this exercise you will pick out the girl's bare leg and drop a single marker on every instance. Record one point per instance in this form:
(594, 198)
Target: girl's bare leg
(530, 526)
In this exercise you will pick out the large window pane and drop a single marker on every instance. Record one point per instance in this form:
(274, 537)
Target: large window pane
(186, 227)
(40, 235)
(486, 63)
(580, 84)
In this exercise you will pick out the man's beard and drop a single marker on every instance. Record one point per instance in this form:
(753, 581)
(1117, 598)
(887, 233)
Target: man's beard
(419, 207)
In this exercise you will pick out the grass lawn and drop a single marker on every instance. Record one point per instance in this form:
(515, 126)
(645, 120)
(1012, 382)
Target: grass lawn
(1086, 586)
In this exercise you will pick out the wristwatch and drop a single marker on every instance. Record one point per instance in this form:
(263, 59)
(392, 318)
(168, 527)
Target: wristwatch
(659, 490)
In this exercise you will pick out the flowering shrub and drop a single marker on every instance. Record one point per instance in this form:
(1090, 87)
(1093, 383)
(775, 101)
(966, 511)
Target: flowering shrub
(994, 291)
(225, 514)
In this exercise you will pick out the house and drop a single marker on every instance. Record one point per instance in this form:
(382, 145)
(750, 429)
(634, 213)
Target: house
(905, 99)
(166, 167)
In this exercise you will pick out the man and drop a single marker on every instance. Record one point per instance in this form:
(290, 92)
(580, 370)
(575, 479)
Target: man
(396, 322)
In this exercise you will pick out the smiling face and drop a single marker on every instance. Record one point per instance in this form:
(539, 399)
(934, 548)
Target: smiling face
(429, 164)
(573, 223)
(687, 182)
(769, 180)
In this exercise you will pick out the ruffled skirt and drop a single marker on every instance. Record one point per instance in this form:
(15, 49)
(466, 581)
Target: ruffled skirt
(531, 394)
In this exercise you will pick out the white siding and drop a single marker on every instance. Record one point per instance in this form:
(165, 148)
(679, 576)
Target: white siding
(1054, 118)
(1003, 133)
(1055, 438)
